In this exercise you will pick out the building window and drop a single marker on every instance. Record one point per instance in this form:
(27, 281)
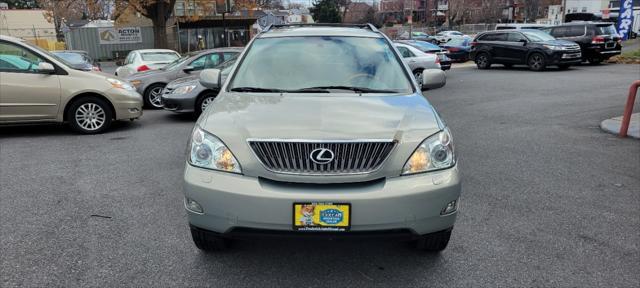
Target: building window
(179, 9)
(584, 9)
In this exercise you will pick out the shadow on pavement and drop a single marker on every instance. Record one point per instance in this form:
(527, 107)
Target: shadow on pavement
(56, 129)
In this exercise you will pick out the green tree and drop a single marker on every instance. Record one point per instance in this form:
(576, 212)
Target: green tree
(326, 11)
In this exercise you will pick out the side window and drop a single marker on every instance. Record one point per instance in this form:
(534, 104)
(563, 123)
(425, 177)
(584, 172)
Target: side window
(230, 55)
(404, 51)
(515, 37)
(213, 60)
(14, 58)
(574, 31)
(198, 64)
(559, 32)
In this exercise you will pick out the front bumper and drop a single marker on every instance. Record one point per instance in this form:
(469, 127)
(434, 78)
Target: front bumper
(127, 104)
(232, 201)
(565, 57)
(178, 105)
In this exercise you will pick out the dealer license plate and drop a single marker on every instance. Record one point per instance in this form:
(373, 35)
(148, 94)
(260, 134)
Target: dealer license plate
(328, 217)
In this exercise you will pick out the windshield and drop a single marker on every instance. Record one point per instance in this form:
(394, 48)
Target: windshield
(606, 30)
(294, 63)
(73, 58)
(159, 56)
(538, 36)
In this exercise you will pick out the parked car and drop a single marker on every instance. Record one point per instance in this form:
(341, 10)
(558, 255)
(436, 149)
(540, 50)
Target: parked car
(417, 35)
(426, 47)
(418, 61)
(599, 41)
(359, 149)
(458, 48)
(38, 87)
(145, 60)
(445, 36)
(78, 59)
(151, 83)
(534, 48)
(187, 95)
(519, 26)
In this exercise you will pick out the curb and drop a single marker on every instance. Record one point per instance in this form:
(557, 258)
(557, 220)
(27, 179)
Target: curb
(612, 125)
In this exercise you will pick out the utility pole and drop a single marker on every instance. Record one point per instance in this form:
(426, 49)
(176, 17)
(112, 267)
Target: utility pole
(564, 10)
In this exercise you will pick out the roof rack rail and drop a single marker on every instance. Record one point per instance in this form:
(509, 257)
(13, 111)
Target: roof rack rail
(362, 26)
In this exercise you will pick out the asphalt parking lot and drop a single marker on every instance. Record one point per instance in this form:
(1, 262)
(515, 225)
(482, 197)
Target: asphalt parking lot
(549, 200)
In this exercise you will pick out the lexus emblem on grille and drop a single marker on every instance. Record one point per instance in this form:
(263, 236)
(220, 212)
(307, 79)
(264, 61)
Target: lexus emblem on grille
(321, 156)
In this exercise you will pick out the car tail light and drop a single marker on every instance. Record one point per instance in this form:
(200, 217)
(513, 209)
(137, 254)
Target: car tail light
(597, 40)
(454, 49)
(437, 59)
(143, 68)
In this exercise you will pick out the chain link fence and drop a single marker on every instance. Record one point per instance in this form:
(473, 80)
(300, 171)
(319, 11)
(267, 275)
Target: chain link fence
(468, 29)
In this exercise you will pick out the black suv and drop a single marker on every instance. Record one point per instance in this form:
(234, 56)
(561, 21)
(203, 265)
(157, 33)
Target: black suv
(598, 41)
(534, 48)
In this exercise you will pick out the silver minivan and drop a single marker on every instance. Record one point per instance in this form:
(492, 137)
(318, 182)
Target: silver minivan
(321, 130)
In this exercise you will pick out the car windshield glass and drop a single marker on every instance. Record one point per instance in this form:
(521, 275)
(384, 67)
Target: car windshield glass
(293, 63)
(159, 56)
(606, 30)
(425, 46)
(538, 36)
(73, 58)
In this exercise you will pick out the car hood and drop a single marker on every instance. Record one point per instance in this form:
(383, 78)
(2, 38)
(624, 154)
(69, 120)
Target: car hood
(308, 116)
(235, 118)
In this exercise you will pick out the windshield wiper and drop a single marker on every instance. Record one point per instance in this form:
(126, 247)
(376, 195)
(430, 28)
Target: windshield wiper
(257, 89)
(355, 89)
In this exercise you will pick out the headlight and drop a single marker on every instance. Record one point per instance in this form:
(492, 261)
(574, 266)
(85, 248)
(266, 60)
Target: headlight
(135, 83)
(207, 151)
(184, 89)
(553, 47)
(434, 153)
(120, 84)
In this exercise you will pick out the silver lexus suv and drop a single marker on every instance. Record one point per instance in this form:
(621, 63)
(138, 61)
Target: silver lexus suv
(321, 130)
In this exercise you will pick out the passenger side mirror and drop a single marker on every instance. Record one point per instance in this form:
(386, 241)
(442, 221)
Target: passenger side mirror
(210, 78)
(188, 69)
(46, 68)
(433, 79)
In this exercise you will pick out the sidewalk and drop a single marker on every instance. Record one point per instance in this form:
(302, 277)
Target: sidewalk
(613, 125)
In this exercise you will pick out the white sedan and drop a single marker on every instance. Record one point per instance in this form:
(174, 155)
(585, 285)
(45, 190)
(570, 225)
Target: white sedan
(144, 60)
(418, 61)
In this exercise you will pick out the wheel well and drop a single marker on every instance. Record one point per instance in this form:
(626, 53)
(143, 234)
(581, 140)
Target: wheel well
(536, 52)
(206, 92)
(83, 95)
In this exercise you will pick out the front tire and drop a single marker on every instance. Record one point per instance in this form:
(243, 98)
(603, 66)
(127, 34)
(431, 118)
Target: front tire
(483, 61)
(89, 115)
(204, 101)
(537, 62)
(434, 242)
(207, 241)
(153, 96)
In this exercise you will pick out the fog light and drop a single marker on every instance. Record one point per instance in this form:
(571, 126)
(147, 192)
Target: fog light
(193, 206)
(450, 208)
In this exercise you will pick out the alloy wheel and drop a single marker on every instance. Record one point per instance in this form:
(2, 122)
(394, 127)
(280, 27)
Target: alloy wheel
(90, 116)
(155, 97)
(418, 76)
(205, 103)
(536, 62)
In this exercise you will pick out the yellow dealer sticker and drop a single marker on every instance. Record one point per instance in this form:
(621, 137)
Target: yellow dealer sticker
(331, 217)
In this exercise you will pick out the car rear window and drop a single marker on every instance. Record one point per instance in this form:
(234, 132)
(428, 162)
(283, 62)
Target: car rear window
(606, 30)
(576, 30)
(159, 56)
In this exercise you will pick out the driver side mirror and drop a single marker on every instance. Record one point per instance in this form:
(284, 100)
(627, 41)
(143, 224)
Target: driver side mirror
(210, 78)
(188, 69)
(46, 68)
(433, 79)
(523, 41)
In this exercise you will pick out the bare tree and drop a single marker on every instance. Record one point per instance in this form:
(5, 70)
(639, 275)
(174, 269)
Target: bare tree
(98, 9)
(60, 11)
(531, 10)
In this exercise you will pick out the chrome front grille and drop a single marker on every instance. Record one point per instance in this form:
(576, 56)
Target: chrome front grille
(349, 156)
